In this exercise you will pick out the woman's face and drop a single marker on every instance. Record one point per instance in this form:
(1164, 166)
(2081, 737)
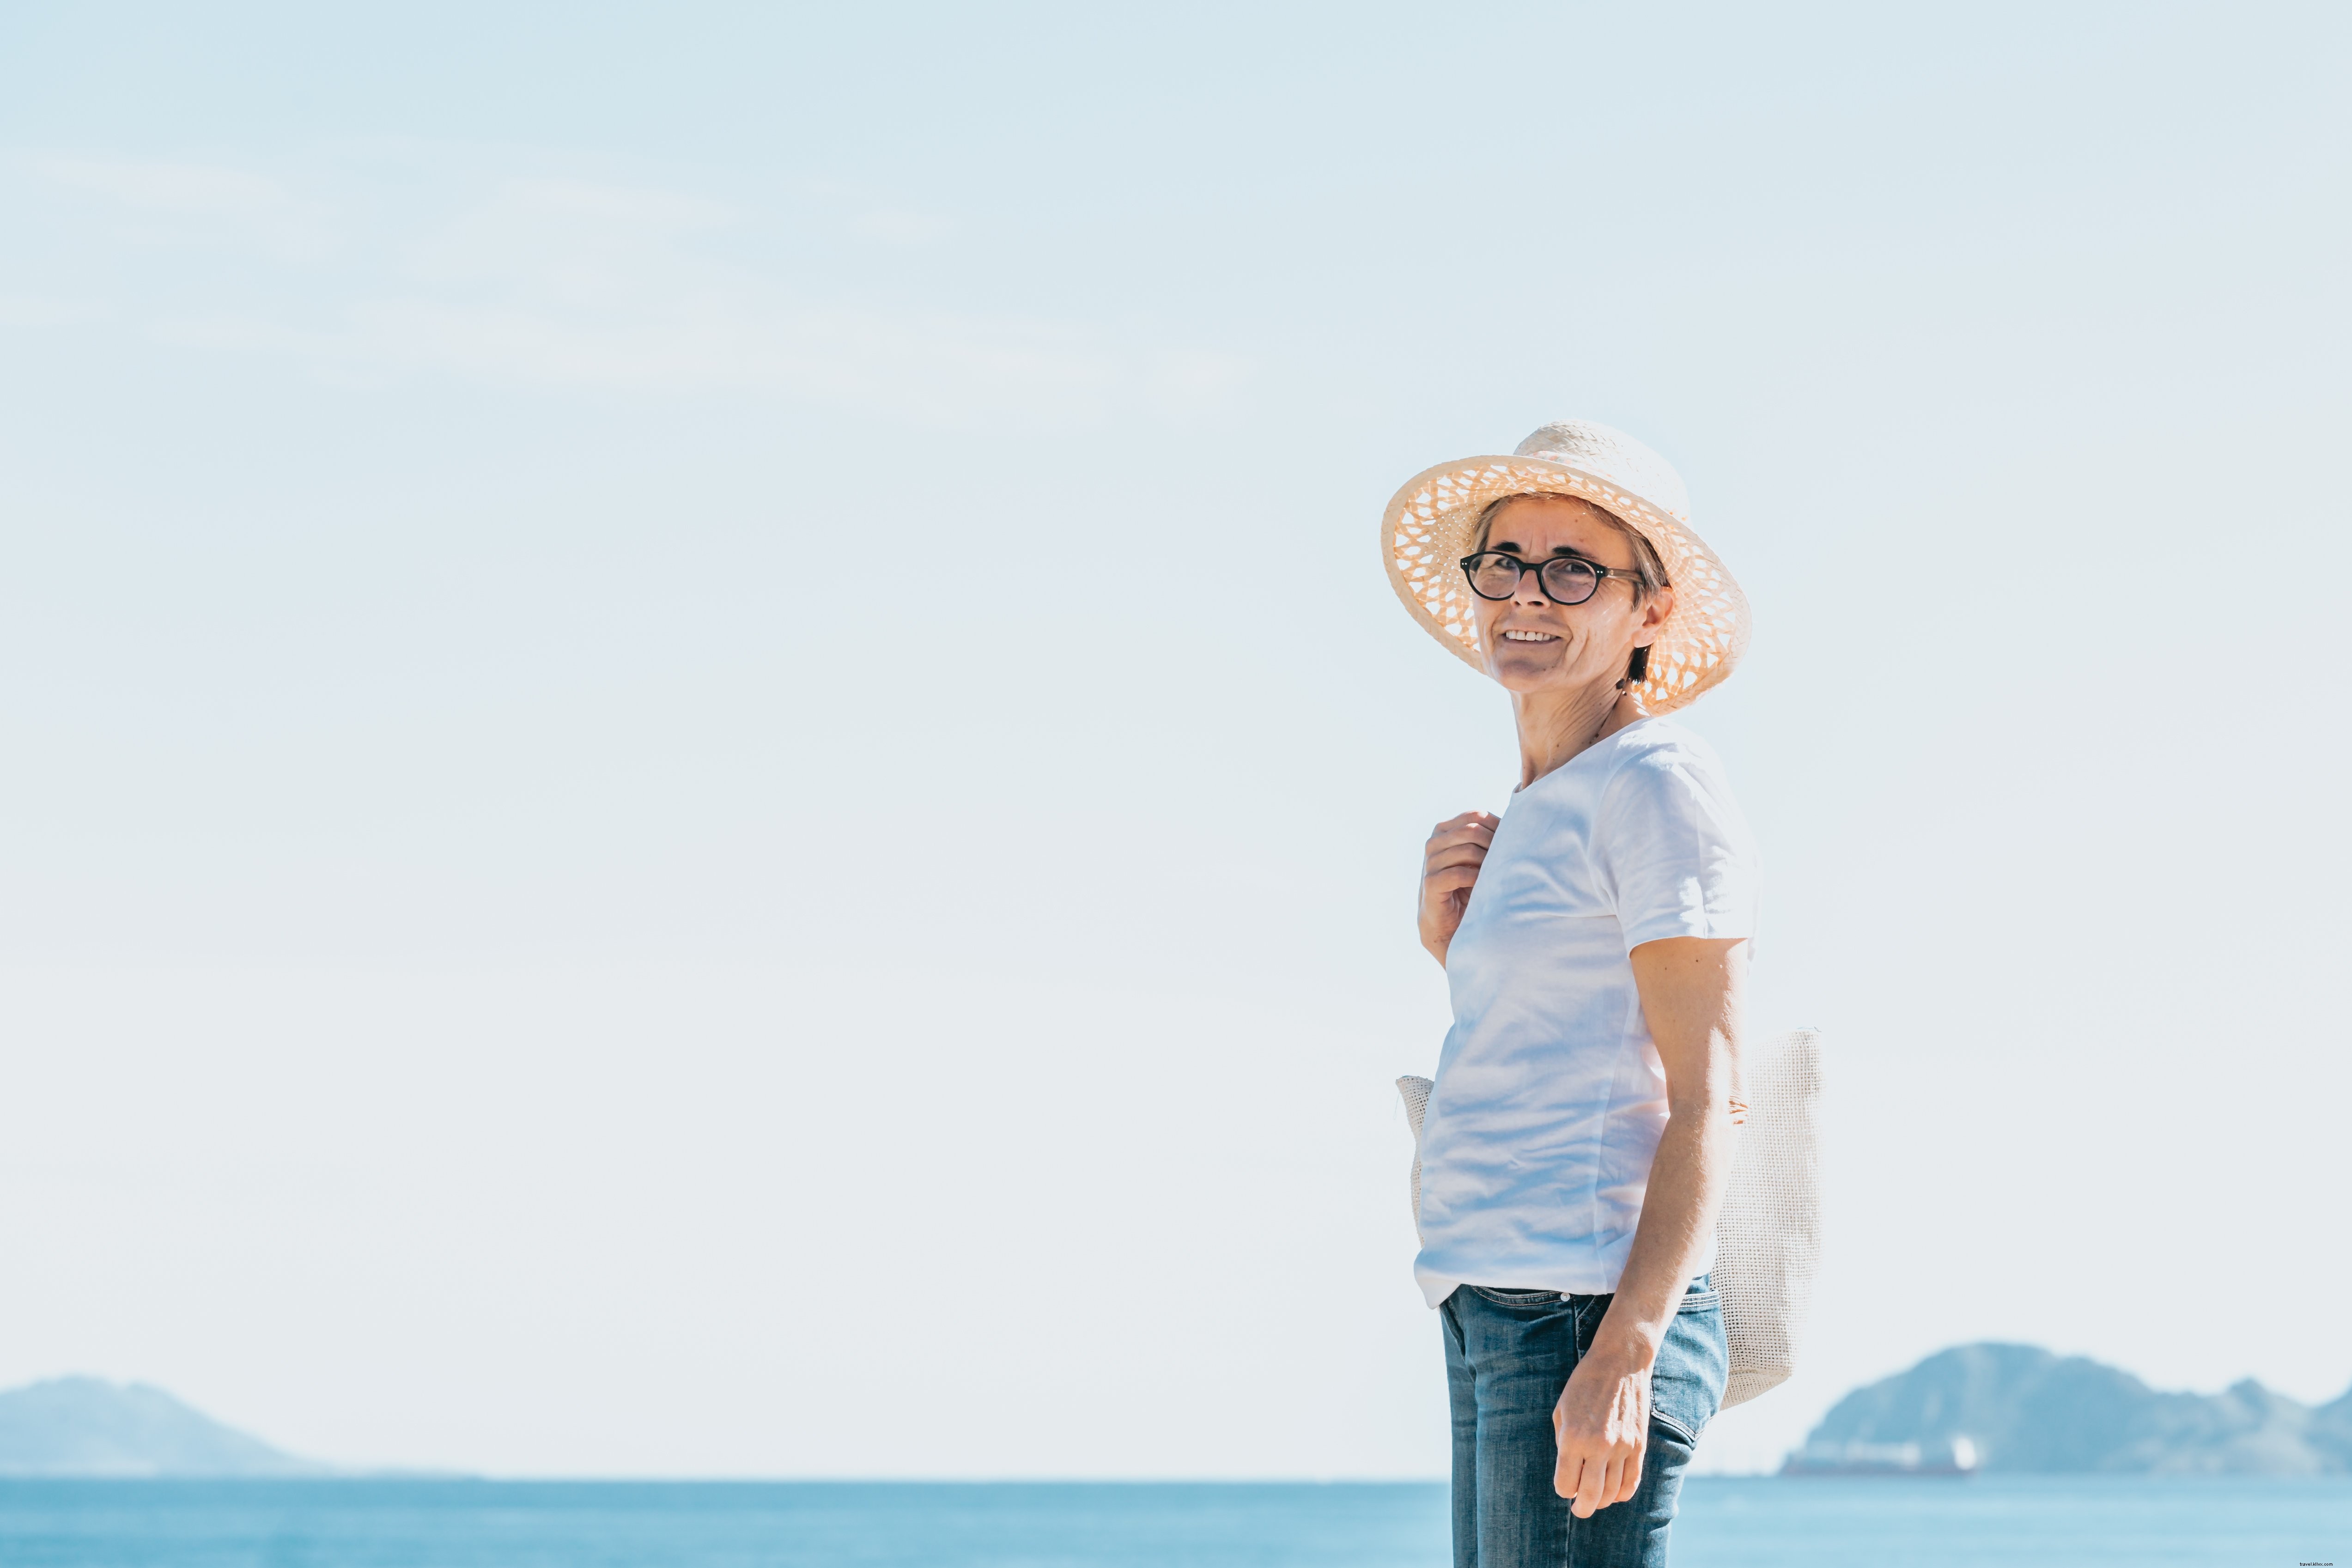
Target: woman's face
(1534, 645)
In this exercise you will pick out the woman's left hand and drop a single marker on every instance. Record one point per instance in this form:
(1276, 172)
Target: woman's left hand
(1602, 1422)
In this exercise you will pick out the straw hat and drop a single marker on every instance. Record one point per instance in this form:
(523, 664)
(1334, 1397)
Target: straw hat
(1428, 527)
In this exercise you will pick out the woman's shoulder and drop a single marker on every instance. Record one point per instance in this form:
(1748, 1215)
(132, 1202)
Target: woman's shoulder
(1661, 745)
(1660, 757)
(1667, 825)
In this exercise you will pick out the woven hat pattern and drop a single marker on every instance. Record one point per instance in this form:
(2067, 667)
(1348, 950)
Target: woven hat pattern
(1428, 527)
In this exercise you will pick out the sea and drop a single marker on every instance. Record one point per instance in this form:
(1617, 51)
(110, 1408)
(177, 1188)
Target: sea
(1726, 1523)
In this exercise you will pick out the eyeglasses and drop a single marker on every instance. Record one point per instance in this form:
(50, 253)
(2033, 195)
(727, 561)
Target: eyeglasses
(1565, 579)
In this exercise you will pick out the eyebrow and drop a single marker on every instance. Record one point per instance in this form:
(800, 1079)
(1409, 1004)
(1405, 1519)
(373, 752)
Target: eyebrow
(1557, 551)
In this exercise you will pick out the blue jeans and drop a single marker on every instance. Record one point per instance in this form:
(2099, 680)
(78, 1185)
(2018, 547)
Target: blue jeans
(1508, 1356)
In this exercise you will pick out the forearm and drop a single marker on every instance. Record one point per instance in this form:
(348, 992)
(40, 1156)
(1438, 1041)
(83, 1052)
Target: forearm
(1691, 997)
(1686, 1182)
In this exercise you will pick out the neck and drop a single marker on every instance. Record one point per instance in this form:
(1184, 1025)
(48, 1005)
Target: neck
(1554, 726)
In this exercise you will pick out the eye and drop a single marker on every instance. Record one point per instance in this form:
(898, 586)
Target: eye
(1570, 579)
(1494, 574)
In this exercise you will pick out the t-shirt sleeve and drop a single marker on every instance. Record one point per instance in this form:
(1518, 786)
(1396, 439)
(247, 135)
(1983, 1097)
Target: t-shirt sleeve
(1674, 851)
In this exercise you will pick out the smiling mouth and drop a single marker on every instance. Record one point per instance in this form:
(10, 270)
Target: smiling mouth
(1529, 636)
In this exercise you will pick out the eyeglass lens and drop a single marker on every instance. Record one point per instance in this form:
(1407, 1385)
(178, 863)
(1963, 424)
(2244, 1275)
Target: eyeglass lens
(1566, 580)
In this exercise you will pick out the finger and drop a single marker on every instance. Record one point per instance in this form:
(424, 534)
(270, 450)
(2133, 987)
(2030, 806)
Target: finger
(1452, 843)
(1461, 879)
(1587, 1488)
(1631, 1483)
(1597, 1487)
(1461, 854)
(1574, 1473)
(1472, 837)
(1567, 1475)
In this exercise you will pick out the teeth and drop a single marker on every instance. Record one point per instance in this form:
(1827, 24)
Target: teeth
(1529, 636)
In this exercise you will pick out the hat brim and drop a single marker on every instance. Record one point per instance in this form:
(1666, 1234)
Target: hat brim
(1427, 527)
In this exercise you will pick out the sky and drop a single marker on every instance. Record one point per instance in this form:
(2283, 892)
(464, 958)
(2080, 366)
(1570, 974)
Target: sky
(710, 772)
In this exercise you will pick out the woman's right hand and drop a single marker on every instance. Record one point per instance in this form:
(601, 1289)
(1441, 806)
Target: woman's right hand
(1449, 869)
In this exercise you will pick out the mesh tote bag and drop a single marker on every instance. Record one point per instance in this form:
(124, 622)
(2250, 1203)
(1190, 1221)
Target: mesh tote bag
(1767, 1238)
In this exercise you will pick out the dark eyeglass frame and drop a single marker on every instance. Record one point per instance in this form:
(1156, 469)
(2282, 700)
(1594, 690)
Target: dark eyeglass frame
(1576, 565)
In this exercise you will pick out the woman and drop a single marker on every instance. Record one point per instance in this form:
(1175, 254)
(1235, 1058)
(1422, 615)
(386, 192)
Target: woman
(1594, 938)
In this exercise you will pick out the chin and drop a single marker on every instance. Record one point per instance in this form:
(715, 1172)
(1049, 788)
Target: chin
(1518, 675)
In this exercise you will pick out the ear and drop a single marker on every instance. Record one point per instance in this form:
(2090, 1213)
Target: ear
(1655, 609)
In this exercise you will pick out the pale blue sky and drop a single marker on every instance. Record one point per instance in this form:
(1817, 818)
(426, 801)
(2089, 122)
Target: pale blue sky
(520, 951)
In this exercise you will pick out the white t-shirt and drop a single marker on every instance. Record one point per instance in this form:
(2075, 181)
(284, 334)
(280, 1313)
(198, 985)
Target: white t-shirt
(1551, 1098)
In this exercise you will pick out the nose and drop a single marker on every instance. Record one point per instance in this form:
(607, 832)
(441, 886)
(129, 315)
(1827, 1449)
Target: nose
(1530, 588)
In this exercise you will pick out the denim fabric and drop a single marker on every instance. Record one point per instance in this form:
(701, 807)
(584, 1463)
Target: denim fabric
(1508, 1356)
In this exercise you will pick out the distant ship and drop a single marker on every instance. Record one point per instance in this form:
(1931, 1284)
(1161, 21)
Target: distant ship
(1954, 1457)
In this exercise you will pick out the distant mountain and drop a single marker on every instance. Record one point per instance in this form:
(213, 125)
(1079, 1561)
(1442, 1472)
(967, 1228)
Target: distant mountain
(83, 1426)
(2018, 1408)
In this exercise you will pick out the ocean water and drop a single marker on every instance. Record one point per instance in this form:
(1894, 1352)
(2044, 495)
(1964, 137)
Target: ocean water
(1726, 1523)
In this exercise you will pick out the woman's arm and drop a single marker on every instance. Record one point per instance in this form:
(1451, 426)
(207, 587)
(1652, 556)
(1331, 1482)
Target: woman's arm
(1690, 989)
